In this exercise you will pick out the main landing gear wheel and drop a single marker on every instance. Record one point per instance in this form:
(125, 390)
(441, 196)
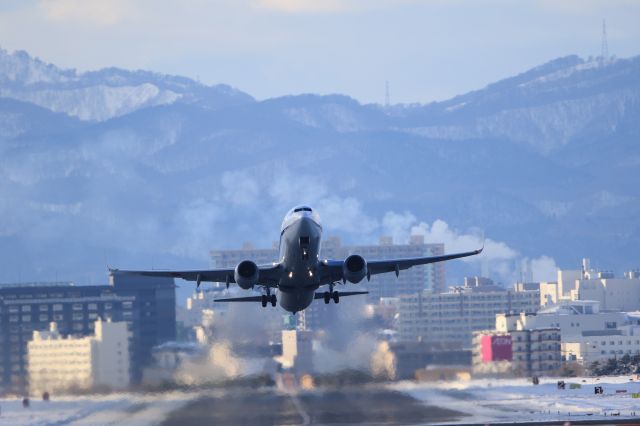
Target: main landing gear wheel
(264, 301)
(274, 300)
(333, 295)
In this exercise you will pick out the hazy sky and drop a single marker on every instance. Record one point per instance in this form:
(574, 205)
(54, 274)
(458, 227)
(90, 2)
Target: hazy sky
(427, 50)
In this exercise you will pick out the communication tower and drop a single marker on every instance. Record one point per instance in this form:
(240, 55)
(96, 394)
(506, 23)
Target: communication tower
(604, 54)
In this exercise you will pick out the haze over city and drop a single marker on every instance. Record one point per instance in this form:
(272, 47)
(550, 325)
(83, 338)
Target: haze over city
(428, 209)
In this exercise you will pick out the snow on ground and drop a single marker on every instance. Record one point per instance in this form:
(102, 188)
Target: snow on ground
(518, 400)
(120, 409)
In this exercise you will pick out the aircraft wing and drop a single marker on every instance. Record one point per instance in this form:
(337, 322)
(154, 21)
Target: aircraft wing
(269, 274)
(240, 299)
(395, 265)
(333, 268)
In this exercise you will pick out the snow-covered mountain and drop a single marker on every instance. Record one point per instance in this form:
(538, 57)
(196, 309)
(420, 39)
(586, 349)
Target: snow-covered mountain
(103, 94)
(145, 170)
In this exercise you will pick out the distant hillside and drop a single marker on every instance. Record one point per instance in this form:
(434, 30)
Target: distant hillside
(103, 94)
(142, 169)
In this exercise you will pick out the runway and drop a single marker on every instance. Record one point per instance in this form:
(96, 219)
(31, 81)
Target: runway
(376, 406)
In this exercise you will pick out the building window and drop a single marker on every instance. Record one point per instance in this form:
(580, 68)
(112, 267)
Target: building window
(57, 307)
(43, 308)
(108, 306)
(44, 317)
(78, 317)
(77, 306)
(127, 305)
(92, 306)
(77, 327)
(57, 317)
(26, 308)
(26, 318)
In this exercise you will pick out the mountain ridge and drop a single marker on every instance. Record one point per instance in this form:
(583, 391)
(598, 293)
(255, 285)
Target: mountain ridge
(548, 169)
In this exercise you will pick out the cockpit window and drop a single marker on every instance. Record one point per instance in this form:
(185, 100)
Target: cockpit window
(299, 212)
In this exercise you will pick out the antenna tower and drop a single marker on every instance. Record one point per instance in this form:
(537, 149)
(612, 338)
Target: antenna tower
(387, 100)
(604, 54)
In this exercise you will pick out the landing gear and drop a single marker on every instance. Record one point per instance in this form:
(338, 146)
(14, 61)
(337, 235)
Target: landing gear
(268, 298)
(328, 296)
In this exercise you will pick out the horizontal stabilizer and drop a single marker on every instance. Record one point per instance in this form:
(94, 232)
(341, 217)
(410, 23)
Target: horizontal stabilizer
(342, 294)
(241, 299)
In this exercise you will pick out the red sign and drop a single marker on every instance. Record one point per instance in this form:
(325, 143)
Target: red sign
(496, 348)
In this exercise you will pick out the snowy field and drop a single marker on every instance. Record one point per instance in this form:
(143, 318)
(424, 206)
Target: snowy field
(120, 409)
(518, 400)
(483, 400)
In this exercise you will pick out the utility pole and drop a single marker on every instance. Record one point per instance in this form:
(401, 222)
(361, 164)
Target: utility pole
(387, 99)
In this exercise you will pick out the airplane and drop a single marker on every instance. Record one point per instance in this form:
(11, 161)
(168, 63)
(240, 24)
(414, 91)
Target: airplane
(300, 271)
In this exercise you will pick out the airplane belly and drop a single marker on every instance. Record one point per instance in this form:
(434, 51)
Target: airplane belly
(296, 299)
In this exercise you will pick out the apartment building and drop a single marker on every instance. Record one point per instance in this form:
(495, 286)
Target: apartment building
(449, 319)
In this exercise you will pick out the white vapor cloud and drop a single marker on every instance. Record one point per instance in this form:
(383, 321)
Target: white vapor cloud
(497, 259)
(240, 187)
(543, 268)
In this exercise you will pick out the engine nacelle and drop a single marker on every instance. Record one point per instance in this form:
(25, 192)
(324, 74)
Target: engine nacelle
(246, 274)
(354, 268)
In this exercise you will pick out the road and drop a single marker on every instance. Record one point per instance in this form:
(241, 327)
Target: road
(341, 406)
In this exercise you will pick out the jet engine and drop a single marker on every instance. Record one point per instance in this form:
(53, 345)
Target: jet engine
(246, 274)
(354, 268)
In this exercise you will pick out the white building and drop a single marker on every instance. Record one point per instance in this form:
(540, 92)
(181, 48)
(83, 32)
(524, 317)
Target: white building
(200, 306)
(587, 334)
(614, 294)
(297, 350)
(56, 363)
(572, 318)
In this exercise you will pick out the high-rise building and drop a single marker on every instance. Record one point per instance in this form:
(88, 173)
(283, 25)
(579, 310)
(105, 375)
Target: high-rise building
(146, 304)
